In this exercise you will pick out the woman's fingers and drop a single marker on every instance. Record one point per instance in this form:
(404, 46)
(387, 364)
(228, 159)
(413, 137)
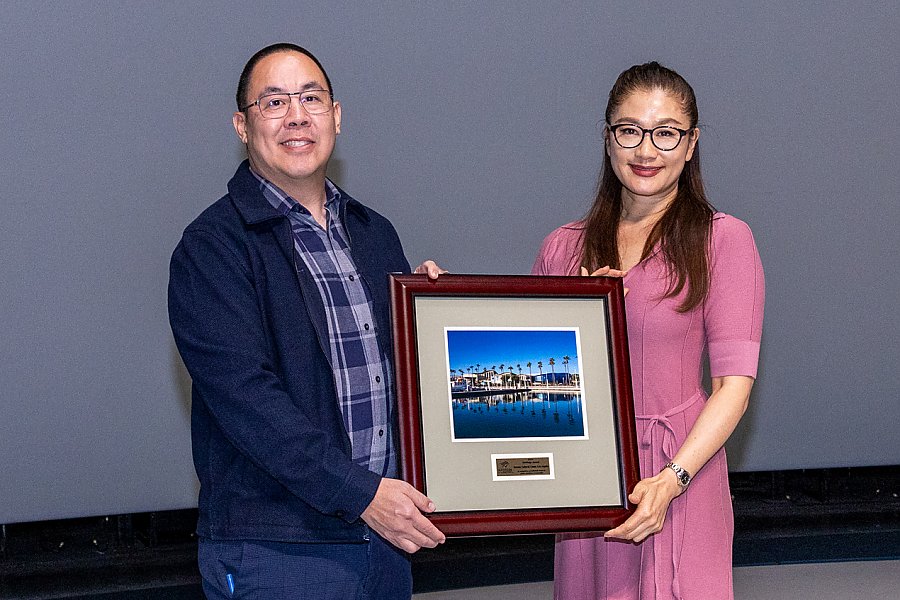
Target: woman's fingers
(606, 271)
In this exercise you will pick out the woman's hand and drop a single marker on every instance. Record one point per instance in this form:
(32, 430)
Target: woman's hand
(606, 271)
(652, 496)
(430, 268)
(717, 420)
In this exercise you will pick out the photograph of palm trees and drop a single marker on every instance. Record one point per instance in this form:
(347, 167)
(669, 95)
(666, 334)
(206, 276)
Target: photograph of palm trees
(515, 383)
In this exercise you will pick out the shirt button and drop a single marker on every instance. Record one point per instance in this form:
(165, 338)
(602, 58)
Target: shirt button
(352, 278)
(366, 326)
(378, 379)
(380, 432)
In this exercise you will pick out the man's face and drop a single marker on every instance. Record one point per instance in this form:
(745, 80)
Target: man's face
(292, 151)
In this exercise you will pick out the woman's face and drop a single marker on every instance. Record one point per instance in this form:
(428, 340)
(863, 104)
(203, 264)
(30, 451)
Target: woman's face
(646, 172)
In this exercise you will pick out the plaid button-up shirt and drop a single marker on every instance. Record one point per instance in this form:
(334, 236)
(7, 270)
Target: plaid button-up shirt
(361, 372)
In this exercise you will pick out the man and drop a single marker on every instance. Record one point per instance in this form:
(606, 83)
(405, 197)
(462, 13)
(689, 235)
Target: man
(278, 299)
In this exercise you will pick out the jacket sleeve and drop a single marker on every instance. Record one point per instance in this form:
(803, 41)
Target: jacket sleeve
(218, 325)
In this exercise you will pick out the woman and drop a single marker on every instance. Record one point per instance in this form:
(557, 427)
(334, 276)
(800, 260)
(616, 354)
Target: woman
(695, 284)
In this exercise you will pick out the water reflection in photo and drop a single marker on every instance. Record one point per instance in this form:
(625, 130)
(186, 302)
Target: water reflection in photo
(525, 414)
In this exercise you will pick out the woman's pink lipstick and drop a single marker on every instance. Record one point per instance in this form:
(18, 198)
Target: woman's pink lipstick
(642, 171)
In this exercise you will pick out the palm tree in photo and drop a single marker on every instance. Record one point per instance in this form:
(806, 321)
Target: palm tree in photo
(530, 376)
(501, 373)
(540, 367)
(552, 362)
(519, 380)
(566, 365)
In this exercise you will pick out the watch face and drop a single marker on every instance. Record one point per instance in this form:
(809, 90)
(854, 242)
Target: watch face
(684, 477)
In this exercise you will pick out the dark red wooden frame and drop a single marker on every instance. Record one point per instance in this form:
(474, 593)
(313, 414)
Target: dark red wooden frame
(404, 290)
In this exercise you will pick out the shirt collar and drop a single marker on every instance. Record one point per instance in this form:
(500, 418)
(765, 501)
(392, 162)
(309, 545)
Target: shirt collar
(284, 204)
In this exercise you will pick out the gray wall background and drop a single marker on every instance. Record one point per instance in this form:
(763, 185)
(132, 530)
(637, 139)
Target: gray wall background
(475, 127)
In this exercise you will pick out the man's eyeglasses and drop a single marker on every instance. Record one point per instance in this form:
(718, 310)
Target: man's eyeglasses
(663, 137)
(276, 106)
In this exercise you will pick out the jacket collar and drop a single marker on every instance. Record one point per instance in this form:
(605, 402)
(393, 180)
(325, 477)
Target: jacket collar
(253, 206)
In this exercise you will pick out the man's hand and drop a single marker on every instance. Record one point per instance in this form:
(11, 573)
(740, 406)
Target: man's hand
(395, 513)
(430, 268)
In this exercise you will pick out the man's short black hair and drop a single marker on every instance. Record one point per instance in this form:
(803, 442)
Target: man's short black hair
(244, 81)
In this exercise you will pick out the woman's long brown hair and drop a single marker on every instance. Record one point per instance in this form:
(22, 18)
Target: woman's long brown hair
(683, 232)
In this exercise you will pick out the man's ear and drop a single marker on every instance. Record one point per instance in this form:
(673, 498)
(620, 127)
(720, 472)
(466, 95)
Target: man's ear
(239, 120)
(337, 117)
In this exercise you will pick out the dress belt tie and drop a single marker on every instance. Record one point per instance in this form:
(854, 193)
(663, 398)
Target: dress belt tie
(669, 450)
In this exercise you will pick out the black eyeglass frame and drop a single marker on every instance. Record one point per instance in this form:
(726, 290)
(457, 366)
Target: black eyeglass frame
(289, 94)
(644, 132)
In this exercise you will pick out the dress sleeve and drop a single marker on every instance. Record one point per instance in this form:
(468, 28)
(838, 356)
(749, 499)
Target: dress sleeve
(560, 252)
(733, 312)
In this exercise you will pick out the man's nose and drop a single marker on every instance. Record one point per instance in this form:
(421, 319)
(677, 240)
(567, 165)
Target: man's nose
(297, 114)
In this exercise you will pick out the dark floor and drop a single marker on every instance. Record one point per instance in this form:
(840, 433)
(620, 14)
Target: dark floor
(780, 517)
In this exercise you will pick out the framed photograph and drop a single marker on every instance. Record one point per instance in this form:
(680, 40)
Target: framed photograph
(515, 401)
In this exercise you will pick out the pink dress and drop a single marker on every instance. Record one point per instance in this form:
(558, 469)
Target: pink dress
(690, 559)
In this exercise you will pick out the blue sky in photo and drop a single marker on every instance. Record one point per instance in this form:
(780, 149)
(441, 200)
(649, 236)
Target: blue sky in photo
(495, 347)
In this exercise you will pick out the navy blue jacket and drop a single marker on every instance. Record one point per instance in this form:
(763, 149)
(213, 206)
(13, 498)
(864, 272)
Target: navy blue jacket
(269, 443)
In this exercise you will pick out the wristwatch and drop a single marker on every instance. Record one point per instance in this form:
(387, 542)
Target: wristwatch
(684, 478)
